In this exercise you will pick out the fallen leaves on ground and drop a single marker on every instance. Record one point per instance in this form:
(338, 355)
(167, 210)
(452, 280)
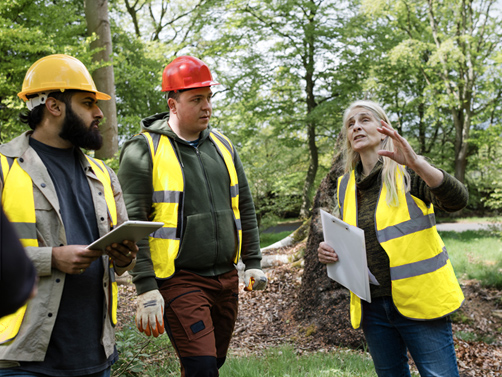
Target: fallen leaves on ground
(266, 319)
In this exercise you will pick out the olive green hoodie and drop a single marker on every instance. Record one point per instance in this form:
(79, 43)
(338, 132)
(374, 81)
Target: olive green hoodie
(209, 238)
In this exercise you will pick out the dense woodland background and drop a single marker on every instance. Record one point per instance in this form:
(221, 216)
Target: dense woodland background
(288, 69)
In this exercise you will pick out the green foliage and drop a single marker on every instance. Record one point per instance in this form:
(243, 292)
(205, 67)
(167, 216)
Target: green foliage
(113, 163)
(288, 69)
(280, 65)
(436, 71)
(485, 167)
(26, 36)
(140, 355)
(275, 173)
(460, 317)
(469, 336)
(130, 348)
(138, 70)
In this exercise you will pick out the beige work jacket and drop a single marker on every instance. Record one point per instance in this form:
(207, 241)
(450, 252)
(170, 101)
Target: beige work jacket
(33, 338)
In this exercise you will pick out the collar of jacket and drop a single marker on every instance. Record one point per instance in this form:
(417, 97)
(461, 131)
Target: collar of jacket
(17, 146)
(158, 123)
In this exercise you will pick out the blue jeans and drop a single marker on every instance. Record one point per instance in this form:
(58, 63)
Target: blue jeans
(390, 335)
(20, 373)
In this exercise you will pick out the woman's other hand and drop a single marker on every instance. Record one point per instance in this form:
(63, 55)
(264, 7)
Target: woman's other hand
(326, 253)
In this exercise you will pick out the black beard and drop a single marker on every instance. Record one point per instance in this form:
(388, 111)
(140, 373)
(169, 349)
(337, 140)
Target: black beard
(76, 132)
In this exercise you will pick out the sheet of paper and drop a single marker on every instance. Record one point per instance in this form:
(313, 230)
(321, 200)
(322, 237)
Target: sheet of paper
(351, 270)
(373, 279)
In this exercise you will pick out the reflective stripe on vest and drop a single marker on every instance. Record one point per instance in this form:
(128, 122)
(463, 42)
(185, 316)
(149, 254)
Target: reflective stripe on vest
(167, 201)
(424, 285)
(19, 205)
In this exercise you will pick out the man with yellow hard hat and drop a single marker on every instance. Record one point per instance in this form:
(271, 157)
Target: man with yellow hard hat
(183, 172)
(60, 200)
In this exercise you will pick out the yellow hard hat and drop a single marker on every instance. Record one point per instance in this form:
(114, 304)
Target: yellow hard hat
(58, 72)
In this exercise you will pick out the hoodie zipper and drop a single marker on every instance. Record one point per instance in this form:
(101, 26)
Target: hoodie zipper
(211, 201)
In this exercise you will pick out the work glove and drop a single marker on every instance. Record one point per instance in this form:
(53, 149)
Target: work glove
(150, 313)
(254, 280)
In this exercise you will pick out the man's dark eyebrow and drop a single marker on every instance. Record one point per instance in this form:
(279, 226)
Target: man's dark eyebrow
(94, 100)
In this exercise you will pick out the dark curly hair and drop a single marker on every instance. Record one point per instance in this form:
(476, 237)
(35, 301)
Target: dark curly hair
(34, 116)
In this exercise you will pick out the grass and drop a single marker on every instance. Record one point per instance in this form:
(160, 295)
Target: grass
(476, 255)
(267, 239)
(469, 336)
(483, 220)
(141, 356)
(285, 362)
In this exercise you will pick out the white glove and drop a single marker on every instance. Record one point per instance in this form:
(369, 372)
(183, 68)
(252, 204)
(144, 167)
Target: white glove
(254, 280)
(150, 313)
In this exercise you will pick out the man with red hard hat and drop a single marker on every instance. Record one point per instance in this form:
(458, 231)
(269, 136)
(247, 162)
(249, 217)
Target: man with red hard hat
(59, 201)
(184, 173)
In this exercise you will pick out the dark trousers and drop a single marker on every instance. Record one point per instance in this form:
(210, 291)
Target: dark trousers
(390, 336)
(200, 314)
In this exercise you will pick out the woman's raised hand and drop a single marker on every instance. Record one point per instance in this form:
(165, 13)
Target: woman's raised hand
(403, 152)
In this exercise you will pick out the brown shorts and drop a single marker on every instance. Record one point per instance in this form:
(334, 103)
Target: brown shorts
(200, 312)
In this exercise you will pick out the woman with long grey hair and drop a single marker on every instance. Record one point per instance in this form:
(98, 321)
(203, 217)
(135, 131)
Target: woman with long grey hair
(390, 192)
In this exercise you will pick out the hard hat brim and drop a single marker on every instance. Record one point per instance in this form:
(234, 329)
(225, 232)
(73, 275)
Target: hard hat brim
(196, 85)
(99, 95)
(102, 96)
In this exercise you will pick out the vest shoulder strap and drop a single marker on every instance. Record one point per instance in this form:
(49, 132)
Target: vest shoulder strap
(153, 140)
(342, 189)
(224, 140)
(103, 175)
(5, 165)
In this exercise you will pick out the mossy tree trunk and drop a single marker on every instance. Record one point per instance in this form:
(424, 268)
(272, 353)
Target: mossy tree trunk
(323, 302)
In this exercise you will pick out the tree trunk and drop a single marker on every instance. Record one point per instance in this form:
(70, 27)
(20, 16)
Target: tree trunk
(309, 64)
(462, 121)
(322, 301)
(311, 173)
(96, 14)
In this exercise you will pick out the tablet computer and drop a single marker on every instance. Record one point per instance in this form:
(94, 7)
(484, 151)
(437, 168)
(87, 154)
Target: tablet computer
(129, 230)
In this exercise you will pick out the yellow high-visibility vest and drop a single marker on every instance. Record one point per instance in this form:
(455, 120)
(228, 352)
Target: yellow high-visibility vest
(424, 286)
(168, 187)
(19, 206)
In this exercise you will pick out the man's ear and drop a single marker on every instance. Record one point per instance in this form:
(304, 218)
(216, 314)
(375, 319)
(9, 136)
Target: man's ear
(54, 106)
(171, 103)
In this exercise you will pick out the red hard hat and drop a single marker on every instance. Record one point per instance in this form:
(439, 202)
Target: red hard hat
(186, 72)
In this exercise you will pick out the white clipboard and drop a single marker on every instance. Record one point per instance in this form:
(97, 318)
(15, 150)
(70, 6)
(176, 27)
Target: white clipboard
(129, 230)
(351, 270)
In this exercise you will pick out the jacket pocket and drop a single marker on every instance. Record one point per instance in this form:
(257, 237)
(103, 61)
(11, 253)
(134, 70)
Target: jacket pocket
(48, 223)
(198, 247)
